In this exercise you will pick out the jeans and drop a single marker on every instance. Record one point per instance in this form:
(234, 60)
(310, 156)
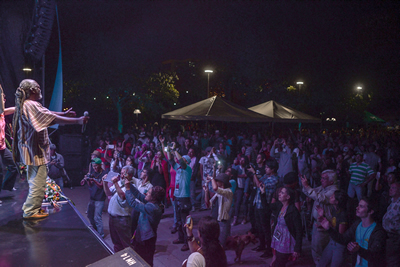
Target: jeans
(193, 192)
(12, 170)
(263, 226)
(146, 249)
(240, 198)
(60, 182)
(95, 211)
(333, 255)
(392, 250)
(182, 208)
(319, 241)
(354, 189)
(36, 176)
(120, 231)
(224, 231)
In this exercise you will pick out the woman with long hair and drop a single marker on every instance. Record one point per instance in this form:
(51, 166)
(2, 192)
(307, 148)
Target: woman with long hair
(160, 170)
(287, 233)
(210, 250)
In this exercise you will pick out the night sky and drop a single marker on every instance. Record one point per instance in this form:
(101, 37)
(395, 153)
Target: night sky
(331, 46)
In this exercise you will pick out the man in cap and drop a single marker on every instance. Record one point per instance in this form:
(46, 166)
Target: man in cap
(97, 195)
(31, 141)
(182, 192)
(361, 174)
(221, 203)
(5, 154)
(56, 166)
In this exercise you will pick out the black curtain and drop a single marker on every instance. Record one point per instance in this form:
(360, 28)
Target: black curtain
(15, 20)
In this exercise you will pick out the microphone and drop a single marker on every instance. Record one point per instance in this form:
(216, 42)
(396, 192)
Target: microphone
(86, 114)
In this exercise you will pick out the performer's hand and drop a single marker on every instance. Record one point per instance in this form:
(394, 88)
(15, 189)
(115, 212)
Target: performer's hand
(83, 120)
(70, 113)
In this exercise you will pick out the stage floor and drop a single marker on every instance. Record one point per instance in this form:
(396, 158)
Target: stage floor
(62, 239)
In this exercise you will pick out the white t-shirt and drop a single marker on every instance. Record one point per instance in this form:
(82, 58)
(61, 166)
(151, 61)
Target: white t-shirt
(195, 260)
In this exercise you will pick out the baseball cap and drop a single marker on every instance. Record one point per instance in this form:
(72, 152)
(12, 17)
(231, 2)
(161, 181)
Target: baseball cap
(97, 161)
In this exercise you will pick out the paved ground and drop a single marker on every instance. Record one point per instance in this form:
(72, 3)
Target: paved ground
(168, 254)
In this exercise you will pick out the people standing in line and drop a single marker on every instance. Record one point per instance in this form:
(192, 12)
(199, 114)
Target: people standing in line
(56, 166)
(365, 237)
(31, 141)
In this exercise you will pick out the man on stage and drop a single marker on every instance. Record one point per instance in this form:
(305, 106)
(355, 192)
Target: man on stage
(30, 136)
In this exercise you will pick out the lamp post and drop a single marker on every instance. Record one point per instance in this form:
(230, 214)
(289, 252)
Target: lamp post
(359, 88)
(299, 84)
(137, 112)
(208, 82)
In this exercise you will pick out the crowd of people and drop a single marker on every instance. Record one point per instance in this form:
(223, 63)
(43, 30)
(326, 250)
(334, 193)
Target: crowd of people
(341, 186)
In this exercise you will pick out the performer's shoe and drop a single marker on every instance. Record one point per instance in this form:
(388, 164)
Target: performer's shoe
(40, 215)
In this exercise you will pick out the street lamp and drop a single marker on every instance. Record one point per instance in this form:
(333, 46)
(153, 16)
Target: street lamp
(208, 81)
(299, 84)
(359, 88)
(137, 112)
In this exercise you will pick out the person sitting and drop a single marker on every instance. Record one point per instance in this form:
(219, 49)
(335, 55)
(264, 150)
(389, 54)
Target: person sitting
(365, 237)
(151, 210)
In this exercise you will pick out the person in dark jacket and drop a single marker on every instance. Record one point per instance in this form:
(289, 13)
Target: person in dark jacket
(365, 237)
(150, 209)
(287, 232)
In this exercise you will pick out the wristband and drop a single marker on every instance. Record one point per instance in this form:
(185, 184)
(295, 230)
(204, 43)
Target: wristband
(190, 238)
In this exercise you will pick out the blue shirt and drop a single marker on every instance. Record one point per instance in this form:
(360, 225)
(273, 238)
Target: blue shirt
(182, 180)
(270, 183)
(362, 238)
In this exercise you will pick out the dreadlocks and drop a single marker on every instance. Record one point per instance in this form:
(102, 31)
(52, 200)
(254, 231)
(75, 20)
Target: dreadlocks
(23, 92)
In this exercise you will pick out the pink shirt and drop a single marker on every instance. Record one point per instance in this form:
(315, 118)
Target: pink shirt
(2, 132)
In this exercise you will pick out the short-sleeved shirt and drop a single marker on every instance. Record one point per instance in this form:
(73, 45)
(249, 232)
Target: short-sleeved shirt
(34, 146)
(359, 172)
(118, 206)
(338, 217)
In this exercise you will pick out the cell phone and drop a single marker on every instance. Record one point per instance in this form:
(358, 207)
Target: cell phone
(166, 149)
(111, 146)
(188, 220)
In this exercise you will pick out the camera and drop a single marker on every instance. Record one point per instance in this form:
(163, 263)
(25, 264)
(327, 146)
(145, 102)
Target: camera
(188, 220)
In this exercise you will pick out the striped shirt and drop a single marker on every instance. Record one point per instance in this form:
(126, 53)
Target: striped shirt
(359, 173)
(35, 119)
